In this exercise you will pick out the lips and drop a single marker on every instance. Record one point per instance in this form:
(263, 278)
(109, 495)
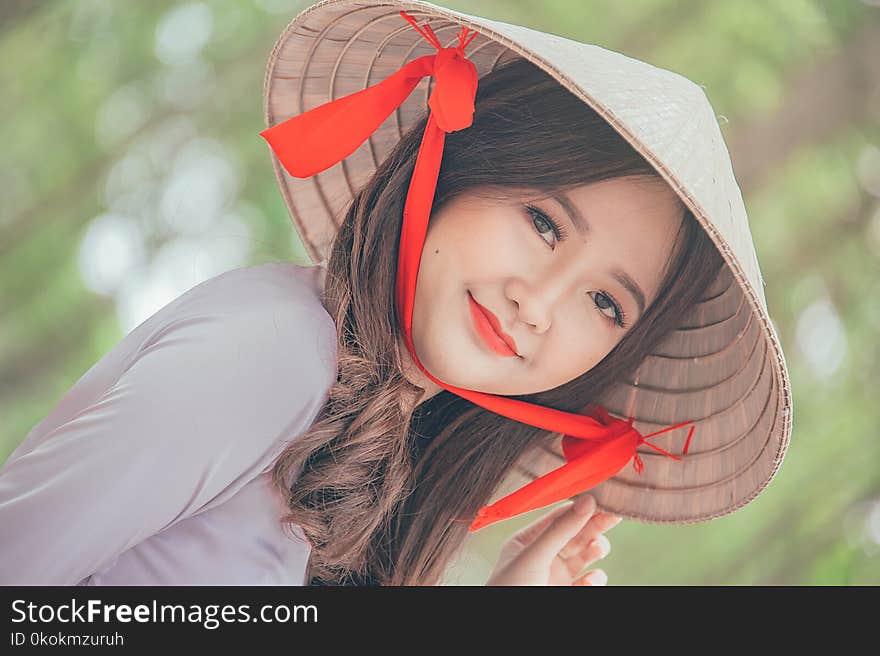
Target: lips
(496, 326)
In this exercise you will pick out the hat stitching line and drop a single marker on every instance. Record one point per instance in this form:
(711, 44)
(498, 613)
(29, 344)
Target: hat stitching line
(711, 365)
(712, 355)
(725, 382)
(707, 299)
(706, 303)
(713, 323)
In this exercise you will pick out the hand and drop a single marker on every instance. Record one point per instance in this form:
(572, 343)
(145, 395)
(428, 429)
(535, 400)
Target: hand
(553, 549)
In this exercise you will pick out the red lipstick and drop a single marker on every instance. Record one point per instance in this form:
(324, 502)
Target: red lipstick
(489, 329)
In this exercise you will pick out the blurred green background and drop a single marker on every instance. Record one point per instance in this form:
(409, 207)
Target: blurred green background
(131, 169)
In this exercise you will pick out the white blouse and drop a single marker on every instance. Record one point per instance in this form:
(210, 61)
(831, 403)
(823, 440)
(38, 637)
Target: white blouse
(153, 469)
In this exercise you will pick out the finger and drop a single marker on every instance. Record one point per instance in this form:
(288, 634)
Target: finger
(576, 560)
(593, 577)
(564, 528)
(527, 534)
(598, 524)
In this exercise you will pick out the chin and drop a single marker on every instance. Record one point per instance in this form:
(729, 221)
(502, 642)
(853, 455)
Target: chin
(469, 384)
(442, 372)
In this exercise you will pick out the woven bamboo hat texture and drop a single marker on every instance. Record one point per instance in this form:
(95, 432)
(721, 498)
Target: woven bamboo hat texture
(722, 368)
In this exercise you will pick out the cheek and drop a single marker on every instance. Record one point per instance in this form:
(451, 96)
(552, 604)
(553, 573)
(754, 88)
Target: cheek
(480, 245)
(572, 355)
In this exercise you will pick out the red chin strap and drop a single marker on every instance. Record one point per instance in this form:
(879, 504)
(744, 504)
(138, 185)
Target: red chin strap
(596, 446)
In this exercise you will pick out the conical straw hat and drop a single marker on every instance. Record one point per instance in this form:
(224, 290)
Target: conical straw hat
(723, 367)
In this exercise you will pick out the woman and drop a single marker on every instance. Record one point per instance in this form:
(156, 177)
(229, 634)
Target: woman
(555, 261)
(495, 236)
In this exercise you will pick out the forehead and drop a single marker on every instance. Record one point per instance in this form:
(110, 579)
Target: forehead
(626, 199)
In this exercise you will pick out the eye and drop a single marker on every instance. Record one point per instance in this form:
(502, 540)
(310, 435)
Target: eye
(539, 218)
(619, 317)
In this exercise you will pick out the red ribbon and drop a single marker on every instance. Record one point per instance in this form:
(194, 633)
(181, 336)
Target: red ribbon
(596, 446)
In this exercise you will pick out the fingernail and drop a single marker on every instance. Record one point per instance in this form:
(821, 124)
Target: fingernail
(614, 521)
(598, 577)
(603, 544)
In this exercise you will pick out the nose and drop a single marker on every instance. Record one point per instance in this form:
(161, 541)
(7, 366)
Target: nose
(539, 298)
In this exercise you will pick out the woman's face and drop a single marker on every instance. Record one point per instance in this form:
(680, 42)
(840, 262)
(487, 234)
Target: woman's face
(559, 299)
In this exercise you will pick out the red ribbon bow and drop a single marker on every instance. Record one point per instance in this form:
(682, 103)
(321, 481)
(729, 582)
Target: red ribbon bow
(596, 446)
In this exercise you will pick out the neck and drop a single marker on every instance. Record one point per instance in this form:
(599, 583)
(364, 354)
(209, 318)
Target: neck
(415, 375)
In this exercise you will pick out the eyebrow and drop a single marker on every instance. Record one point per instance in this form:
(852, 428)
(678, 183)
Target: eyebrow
(621, 276)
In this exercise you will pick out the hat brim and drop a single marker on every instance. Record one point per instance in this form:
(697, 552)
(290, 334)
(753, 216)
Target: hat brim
(723, 367)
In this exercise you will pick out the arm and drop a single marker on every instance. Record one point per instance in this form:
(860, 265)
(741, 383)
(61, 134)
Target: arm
(201, 409)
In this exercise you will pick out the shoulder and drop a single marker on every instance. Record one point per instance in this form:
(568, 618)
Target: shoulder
(250, 352)
(277, 303)
(250, 328)
(281, 285)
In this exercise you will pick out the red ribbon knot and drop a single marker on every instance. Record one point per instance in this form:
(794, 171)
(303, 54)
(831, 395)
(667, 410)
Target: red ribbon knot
(315, 140)
(589, 461)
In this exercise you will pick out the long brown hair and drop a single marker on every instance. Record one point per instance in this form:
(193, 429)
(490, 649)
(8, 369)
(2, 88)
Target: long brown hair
(376, 481)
